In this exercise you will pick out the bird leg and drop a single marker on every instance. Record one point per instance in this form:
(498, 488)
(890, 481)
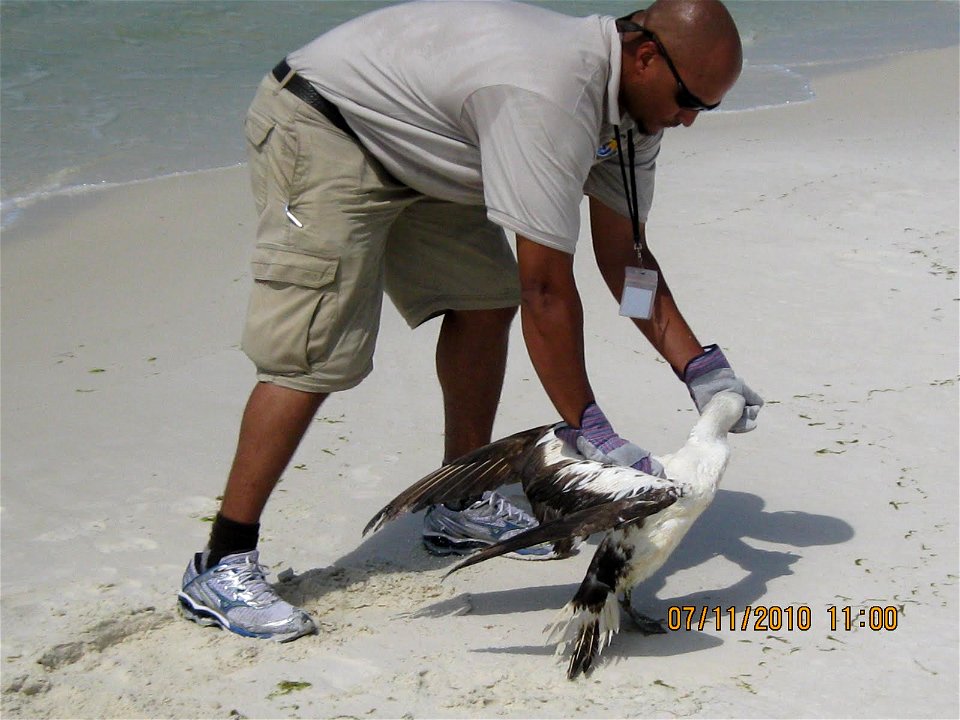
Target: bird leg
(646, 625)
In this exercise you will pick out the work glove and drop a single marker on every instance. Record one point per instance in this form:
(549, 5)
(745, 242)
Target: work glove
(710, 373)
(596, 440)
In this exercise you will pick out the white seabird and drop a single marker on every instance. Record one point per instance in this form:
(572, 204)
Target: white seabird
(644, 517)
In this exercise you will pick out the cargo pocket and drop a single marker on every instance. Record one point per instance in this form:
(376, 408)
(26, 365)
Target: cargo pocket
(292, 310)
(257, 130)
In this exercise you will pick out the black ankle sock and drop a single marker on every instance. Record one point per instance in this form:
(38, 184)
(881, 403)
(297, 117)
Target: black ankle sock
(229, 536)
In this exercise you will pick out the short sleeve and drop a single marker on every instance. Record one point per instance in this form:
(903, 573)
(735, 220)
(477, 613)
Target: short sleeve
(534, 160)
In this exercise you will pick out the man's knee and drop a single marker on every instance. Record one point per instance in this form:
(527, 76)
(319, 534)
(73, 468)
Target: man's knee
(494, 319)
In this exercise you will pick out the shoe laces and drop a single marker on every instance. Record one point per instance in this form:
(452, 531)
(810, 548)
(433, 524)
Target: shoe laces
(502, 508)
(249, 579)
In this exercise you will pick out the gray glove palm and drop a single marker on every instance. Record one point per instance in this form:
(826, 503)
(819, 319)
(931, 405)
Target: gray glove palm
(710, 373)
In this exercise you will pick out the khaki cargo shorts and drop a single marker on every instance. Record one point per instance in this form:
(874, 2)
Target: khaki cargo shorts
(335, 230)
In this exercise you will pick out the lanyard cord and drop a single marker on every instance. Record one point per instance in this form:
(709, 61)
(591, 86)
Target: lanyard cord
(630, 191)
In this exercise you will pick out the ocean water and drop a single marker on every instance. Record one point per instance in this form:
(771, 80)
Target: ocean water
(99, 92)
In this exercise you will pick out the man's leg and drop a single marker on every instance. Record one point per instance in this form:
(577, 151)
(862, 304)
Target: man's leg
(471, 360)
(324, 216)
(273, 424)
(442, 256)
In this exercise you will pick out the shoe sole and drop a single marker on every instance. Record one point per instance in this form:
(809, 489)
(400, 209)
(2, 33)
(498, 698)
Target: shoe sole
(532, 557)
(207, 617)
(442, 546)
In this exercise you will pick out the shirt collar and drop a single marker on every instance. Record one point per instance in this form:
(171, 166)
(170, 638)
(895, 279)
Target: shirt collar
(613, 82)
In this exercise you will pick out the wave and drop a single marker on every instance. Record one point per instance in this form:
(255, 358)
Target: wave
(12, 208)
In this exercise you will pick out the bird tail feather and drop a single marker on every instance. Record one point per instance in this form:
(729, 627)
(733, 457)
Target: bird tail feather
(587, 629)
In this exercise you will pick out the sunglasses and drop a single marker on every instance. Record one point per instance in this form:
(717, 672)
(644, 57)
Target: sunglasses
(685, 99)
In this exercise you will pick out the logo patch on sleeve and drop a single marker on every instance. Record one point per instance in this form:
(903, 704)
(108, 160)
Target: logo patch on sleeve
(607, 149)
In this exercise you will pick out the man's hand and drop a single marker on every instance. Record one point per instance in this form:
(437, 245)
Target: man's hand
(596, 440)
(710, 373)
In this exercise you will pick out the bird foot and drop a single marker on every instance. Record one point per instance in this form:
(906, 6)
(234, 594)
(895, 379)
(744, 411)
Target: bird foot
(646, 625)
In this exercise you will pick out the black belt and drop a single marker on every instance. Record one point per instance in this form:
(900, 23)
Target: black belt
(306, 92)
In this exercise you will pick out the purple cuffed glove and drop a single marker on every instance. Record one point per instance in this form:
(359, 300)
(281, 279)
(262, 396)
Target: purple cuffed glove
(710, 373)
(596, 440)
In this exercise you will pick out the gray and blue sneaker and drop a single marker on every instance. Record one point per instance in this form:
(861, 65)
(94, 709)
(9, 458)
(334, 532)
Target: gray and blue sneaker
(235, 595)
(488, 521)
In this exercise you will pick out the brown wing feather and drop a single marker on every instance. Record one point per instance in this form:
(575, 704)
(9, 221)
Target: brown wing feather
(485, 468)
(580, 524)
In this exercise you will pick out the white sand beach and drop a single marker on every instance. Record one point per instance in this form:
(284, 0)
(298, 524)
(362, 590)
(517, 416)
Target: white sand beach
(817, 243)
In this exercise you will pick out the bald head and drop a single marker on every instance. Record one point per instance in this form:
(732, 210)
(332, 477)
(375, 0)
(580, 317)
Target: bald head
(702, 39)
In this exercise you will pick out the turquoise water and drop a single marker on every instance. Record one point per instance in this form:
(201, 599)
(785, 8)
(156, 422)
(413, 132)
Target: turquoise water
(93, 93)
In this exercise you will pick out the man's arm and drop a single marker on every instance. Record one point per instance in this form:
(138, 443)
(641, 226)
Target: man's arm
(666, 329)
(704, 370)
(552, 319)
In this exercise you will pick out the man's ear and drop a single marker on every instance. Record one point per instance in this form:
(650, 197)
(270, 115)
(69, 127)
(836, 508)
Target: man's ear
(644, 56)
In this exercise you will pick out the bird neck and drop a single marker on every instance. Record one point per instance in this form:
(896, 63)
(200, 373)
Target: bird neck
(707, 430)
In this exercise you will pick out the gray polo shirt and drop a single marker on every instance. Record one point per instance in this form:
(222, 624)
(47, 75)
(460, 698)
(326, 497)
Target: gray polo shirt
(487, 103)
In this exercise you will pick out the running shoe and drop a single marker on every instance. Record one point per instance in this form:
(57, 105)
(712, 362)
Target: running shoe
(488, 521)
(235, 595)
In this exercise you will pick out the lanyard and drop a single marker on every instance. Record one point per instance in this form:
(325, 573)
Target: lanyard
(630, 190)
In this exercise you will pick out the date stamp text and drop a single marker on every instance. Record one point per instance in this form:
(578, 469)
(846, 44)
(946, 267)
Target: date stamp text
(775, 618)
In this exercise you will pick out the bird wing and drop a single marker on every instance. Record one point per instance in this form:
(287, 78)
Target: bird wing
(558, 482)
(485, 468)
(582, 523)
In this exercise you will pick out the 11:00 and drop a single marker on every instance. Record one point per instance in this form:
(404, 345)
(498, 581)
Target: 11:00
(876, 617)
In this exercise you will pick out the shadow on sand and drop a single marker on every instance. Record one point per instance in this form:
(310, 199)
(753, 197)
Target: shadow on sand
(723, 530)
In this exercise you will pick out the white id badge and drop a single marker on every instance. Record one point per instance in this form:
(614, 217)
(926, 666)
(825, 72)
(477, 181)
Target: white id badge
(639, 289)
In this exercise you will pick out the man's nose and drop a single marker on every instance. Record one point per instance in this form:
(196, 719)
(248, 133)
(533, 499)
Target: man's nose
(688, 117)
